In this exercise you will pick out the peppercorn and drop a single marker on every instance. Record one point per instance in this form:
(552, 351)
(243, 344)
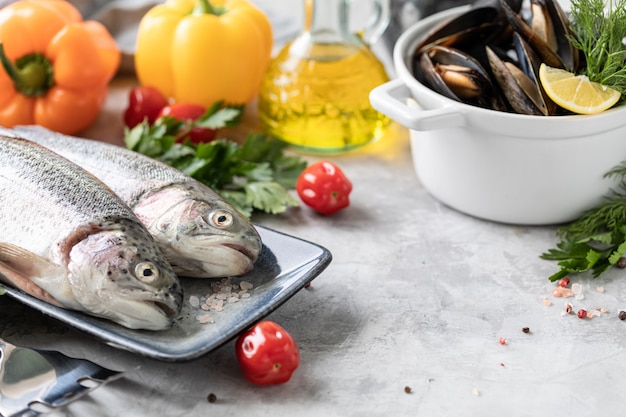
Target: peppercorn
(582, 313)
(408, 389)
(526, 329)
(621, 263)
(563, 282)
(622, 315)
(212, 398)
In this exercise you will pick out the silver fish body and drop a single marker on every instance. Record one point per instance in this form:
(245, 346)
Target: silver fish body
(200, 234)
(68, 239)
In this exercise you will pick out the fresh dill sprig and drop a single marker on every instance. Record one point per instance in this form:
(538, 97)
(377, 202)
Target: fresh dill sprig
(599, 31)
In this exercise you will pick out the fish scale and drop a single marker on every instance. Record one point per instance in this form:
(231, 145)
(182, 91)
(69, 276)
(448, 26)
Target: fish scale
(199, 233)
(69, 240)
(50, 182)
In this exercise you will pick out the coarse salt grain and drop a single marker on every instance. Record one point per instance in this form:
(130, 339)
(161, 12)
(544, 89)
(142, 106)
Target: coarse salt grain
(223, 291)
(194, 301)
(577, 289)
(600, 289)
(475, 392)
(204, 318)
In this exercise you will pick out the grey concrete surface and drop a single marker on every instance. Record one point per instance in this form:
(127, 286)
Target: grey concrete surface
(418, 295)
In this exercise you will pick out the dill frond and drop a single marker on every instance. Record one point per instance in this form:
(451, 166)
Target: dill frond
(599, 32)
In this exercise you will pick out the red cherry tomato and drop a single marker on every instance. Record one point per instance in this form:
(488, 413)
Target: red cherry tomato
(143, 102)
(267, 354)
(324, 187)
(189, 112)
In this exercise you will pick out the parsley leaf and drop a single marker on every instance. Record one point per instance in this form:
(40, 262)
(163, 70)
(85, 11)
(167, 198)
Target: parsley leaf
(596, 241)
(253, 176)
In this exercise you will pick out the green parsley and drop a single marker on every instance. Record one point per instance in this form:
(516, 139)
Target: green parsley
(599, 31)
(597, 240)
(252, 177)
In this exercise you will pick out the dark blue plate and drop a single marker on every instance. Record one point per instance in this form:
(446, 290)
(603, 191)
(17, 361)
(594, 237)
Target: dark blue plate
(285, 266)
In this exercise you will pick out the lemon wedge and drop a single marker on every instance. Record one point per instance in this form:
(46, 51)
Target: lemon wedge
(575, 92)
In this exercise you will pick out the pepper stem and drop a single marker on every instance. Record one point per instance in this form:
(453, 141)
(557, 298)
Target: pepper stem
(205, 7)
(32, 74)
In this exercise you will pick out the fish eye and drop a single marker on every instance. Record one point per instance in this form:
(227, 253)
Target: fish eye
(146, 272)
(221, 218)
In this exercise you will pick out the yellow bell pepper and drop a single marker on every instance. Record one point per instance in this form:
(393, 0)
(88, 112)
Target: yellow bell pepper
(202, 52)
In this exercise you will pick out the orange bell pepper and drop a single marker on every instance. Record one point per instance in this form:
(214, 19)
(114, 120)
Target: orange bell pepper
(204, 52)
(55, 67)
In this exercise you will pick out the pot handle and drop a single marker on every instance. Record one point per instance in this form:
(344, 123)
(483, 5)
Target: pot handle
(391, 100)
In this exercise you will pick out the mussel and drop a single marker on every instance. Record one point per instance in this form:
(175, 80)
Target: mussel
(518, 88)
(489, 56)
(454, 73)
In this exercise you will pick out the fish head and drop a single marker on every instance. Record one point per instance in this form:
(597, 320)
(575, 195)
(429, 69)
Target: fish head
(120, 274)
(201, 235)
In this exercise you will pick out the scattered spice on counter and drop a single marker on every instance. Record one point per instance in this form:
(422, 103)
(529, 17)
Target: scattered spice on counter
(526, 329)
(563, 282)
(600, 289)
(569, 308)
(475, 392)
(408, 389)
(582, 313)
(621, 263)
(622, 315)
(562, 292)
(577, 289)
(502, 341)
(211, 398)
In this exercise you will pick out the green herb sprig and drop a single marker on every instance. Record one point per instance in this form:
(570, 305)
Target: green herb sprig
(253, 176)
(599, 30)
(597, 240)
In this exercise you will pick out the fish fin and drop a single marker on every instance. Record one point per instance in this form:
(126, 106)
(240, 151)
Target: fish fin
(18, 266)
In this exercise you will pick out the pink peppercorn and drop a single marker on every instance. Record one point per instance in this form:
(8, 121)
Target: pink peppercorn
(582, 313)
(563, 282)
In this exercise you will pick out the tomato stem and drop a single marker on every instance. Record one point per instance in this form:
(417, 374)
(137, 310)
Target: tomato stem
(32, 74)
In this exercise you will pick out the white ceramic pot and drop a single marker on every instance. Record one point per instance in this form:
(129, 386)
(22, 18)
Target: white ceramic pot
(511, 168)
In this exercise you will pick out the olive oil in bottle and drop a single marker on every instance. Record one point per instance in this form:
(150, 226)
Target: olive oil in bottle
(315, 93)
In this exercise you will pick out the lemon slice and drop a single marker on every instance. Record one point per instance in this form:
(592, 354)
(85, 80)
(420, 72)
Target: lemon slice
(575, 92)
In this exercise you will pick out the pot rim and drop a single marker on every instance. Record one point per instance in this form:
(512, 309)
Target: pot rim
(566, 126)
